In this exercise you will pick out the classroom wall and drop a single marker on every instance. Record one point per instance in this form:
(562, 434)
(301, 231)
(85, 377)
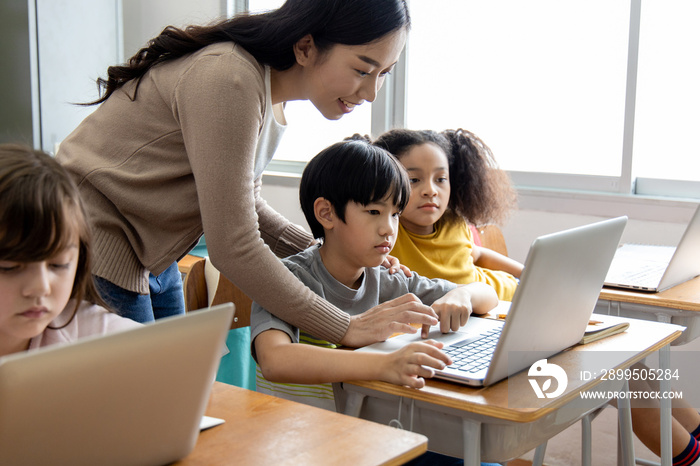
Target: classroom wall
(145, 20)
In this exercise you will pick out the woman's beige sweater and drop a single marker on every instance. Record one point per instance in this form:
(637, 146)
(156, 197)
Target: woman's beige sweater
(179, 160)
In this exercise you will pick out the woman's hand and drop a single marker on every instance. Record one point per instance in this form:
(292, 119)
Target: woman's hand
(413, 363)
(386, 319)
(392, 263)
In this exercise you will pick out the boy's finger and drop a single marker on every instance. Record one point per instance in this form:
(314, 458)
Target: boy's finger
(430, 363)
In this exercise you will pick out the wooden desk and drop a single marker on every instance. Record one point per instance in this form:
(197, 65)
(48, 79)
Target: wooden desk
(685, 296)
(487, 424)
(264, 430)
(678, 305)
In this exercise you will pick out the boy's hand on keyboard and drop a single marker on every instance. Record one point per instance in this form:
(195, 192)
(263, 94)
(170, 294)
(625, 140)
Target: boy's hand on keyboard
(411, 364)
(455, 307)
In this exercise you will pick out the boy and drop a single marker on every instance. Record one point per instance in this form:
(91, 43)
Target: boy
(352, 194)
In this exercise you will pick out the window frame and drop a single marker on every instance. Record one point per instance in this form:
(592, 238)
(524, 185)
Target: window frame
(640, 198)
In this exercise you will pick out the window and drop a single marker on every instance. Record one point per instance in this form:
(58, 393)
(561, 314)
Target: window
(668, 95)
(529, 78)
(592, 96)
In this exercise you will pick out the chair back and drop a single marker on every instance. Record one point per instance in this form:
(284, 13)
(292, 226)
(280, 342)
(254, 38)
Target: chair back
(492, 238)
(204, 286)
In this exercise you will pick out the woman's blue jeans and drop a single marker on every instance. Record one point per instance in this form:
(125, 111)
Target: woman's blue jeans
(166, 297)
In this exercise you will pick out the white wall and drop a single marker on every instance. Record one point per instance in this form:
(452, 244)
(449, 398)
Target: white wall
(526, 225)
(144, 20)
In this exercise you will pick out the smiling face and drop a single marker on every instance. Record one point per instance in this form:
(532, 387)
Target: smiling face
(345, 76)
(32, 294)
(428, 170)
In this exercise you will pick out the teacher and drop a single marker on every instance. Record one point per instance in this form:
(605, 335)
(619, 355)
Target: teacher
(181, 137)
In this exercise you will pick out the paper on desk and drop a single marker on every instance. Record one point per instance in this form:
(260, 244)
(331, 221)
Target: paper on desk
(601, 326)
(208, 422)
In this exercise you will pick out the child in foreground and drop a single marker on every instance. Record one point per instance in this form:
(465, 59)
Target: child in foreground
(352, 194)
(455, 181)
(47, 295)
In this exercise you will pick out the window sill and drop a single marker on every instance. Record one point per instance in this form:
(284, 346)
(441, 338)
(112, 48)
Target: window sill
(638, 207)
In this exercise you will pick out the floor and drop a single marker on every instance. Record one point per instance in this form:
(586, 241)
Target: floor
(565, 448)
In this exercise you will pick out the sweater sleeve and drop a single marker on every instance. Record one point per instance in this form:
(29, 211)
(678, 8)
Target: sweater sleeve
(220, 103)
(283, 237)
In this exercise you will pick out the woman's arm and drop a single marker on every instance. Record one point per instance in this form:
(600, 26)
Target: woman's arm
(489, 259)
(221, 151)
(285, 362)
(283, 237)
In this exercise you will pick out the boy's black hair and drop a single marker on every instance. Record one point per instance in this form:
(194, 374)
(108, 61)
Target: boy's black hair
(351, 171)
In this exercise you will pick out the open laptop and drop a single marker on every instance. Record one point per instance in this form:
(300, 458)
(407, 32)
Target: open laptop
(654, 268)
(135, 397)
(552, 305)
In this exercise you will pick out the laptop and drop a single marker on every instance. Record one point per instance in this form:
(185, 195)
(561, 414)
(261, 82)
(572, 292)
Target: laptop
(552, 305)
(135, 397)
(654, 268)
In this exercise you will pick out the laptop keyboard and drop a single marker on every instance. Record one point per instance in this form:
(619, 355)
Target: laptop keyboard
(646, 275)
(473, 354)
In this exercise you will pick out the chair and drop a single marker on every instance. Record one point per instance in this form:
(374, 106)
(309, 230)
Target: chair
(204, 286)
(198, 278)
(492, 238)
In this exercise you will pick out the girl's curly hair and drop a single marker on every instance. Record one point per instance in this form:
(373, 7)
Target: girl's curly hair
(481, 192)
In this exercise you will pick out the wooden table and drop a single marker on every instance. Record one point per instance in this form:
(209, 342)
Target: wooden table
(265, 430)
(506, 420)
(685, 296)
(678, 305)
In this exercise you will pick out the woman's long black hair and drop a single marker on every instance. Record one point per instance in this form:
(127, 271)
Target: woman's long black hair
(270, 36)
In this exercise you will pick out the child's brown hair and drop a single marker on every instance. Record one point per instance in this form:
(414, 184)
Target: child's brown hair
(40, 213)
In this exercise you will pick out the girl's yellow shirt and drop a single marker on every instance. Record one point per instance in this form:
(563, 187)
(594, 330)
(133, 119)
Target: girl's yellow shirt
(447, 253)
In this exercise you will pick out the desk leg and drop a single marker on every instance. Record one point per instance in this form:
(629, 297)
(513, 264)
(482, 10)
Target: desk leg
(353, 404)
(538, 459)
(624, 415)
(471, 430)
(665, 406)
(586, 441)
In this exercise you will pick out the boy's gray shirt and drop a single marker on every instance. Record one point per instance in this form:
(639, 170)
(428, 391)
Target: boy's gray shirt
(377, 286)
